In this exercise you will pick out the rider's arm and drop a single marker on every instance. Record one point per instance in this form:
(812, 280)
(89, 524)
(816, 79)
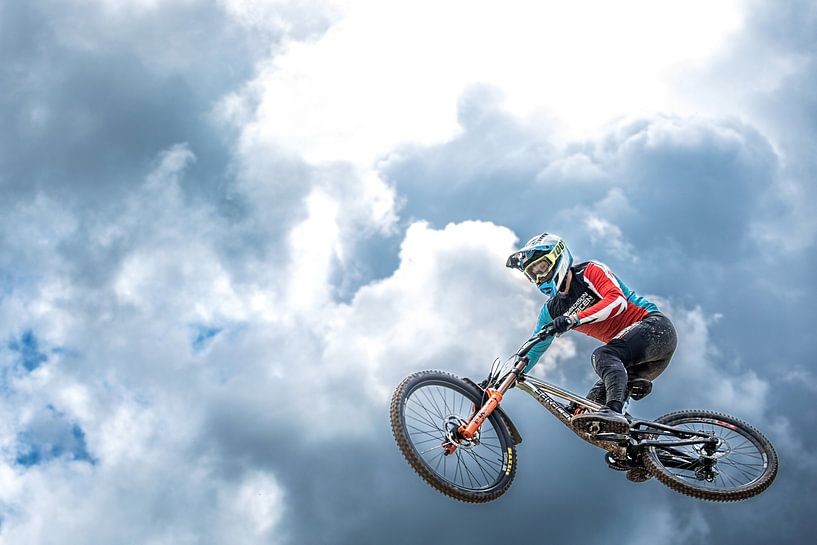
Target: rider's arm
(605, 286)
(539, 348)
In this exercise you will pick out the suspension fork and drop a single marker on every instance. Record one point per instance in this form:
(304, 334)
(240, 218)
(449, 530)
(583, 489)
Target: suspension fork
(468, 430)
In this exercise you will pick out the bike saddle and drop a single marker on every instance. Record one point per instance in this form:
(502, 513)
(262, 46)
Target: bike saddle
(639, 388)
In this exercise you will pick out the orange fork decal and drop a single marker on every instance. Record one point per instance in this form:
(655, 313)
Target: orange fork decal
(469, 430)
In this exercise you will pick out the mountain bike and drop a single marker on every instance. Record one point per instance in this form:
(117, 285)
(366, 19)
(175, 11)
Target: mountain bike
(454, 434)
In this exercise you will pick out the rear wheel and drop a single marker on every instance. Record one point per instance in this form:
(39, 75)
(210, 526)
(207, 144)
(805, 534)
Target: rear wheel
(426, 410)
(742, 465)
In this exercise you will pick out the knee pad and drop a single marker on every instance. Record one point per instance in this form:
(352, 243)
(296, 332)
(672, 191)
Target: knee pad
(601, 354)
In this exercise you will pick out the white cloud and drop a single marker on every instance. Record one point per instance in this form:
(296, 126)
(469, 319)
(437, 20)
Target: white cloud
(451, 302)
(250, 509)
(388, 73)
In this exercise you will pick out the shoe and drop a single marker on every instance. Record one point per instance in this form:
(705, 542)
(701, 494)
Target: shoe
(608, 421)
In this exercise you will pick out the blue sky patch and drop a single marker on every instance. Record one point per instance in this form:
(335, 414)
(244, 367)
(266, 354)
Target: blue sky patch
(28, 348)
(50, 436)
(203, 336)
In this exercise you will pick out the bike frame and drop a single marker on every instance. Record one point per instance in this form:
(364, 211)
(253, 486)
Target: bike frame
(544, 393)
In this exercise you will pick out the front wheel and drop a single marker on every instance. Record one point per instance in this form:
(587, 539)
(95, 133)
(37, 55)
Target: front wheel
(742, 465)
(426, 410)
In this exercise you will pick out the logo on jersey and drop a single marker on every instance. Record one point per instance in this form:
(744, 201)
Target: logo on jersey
(584, 301)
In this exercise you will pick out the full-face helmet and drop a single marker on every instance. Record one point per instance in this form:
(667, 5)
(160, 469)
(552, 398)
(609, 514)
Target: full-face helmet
(545, 260)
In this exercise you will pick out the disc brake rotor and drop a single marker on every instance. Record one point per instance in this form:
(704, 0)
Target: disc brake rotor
(452, 425)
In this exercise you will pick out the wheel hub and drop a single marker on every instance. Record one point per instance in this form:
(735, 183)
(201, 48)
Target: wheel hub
(453, 437)
(720, 449)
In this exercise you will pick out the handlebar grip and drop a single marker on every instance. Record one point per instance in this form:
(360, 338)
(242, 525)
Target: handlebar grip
(546, 331)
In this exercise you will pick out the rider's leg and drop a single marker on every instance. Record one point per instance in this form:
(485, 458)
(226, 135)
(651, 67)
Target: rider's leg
(652, 344)
(652, 340)
(596, 394)
(608, 361)
(644, 350)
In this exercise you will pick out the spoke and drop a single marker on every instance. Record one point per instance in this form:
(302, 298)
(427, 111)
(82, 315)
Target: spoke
(426, 441)
(438, 457)
(421, 421)
(470, 475)
(746, 474)
(461, 409)
(418, 415)
(431, 416)
(445, 401)
(488, 460)
(748, 450)
(736, 463)
(431, 400)
(432, 448)
(424, 432)
(439, 415)
(735, 483)
(438, 396)
(479, 465)
(457, 467)
(494, 449)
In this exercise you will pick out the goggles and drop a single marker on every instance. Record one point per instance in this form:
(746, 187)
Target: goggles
(542, 264)
(541, 270)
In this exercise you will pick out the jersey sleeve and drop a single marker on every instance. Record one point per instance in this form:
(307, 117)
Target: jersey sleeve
(539, 348)
(599, 278)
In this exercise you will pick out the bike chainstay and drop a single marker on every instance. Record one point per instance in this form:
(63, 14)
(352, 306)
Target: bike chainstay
(685, 437)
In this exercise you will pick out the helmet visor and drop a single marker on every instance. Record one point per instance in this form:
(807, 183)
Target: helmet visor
(542, 269)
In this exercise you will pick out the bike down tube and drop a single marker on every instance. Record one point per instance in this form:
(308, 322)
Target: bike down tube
(550, 389)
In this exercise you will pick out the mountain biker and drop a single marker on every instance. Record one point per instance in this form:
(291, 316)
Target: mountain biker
(639, 340)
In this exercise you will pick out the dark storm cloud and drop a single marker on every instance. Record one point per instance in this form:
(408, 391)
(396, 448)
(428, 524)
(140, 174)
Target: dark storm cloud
(357, 488)
(89, 100)
(93, 94)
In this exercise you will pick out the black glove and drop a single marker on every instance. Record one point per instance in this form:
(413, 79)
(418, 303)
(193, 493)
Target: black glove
(561, 324)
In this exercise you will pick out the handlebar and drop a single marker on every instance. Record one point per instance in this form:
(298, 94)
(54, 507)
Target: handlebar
(547, 331)
(497, 376)
(542, 334)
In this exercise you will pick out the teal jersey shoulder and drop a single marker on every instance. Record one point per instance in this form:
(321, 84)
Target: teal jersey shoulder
(539, 348)
(631, 297)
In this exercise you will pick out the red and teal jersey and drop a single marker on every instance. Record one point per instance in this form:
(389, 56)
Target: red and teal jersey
(603, 303)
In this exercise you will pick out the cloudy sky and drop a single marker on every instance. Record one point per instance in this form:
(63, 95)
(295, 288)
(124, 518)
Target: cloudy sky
(228, 228)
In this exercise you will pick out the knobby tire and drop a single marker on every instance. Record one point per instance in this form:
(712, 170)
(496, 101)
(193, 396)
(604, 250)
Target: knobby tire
(688, 486)
(413, 384)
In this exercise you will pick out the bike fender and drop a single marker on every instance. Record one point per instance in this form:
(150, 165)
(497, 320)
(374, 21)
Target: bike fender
(515, 435)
